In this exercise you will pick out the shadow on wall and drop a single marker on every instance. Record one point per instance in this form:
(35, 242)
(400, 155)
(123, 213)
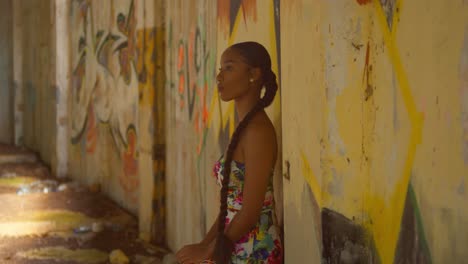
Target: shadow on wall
(345, 241)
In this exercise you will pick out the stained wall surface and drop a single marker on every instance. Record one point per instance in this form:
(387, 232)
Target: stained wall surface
(374, 126)
(6, 73)
(35, 93)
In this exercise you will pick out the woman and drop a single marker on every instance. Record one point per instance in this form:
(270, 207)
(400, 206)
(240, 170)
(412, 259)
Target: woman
(244, 231)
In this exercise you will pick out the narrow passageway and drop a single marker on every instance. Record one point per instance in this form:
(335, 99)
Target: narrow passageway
(46, 220)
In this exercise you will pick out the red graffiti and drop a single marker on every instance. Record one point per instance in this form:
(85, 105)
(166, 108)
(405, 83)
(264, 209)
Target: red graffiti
(249, 8)
(129, 179)
(130, 162)
(91, 133)
(363, 2)
(367, 74)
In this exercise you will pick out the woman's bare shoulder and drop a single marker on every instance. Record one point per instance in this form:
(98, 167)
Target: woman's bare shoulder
(260, 133)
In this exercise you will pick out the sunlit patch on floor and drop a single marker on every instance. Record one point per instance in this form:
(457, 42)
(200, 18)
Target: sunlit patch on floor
(16, 182)
(42, 222)
(90, 256)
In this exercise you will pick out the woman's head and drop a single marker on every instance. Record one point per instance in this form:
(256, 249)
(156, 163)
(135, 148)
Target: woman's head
(245, 69)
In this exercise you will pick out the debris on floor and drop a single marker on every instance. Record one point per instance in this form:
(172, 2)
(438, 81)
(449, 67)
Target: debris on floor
(49, 220)
(118, 257)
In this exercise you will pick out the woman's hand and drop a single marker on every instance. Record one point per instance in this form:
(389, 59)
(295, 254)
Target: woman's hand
(195, 253)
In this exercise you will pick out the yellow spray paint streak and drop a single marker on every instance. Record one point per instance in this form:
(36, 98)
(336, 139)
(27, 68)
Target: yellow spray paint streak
(386, 216)
(311, 179)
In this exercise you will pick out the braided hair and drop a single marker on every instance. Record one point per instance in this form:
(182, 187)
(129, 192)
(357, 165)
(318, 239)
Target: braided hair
(257, 57)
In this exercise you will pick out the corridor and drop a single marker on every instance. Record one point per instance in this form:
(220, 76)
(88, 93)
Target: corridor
(117, 118)
(46, 220)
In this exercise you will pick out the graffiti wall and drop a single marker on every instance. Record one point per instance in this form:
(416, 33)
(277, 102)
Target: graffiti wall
(198, 123)
(150, 65)
(377, 161)
(190, 69)
(113, 78)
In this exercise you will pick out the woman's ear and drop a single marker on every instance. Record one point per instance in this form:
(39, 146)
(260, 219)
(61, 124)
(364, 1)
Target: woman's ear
(255, 74)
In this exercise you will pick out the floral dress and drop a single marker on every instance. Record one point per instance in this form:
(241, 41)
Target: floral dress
(262, 244)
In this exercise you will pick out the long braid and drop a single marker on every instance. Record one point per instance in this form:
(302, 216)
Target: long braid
(227, 164)
(222, 242)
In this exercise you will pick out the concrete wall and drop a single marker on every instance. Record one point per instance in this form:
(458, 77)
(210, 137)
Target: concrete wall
(198, 123)
(378, 159)
(190, 67)
(35, 94)
(104, 98)
(115, 69)
(18, 73)
(6, 72)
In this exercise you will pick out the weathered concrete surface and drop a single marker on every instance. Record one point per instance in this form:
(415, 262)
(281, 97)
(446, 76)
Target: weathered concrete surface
(6, 72)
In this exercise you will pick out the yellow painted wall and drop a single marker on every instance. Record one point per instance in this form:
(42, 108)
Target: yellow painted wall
(381, 150)
(302, 103)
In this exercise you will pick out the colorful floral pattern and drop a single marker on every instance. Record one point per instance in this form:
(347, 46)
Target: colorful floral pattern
(262, 244)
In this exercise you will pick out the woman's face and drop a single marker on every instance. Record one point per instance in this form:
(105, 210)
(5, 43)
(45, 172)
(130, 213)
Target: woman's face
(233, 77)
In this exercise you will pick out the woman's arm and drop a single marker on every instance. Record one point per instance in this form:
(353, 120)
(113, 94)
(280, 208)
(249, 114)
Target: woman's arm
(259, 155)
(196, 253)
(211, 235)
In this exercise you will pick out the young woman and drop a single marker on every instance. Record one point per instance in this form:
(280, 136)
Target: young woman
(244, 231)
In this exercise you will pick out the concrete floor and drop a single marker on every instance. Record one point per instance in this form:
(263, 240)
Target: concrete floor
(43, 220)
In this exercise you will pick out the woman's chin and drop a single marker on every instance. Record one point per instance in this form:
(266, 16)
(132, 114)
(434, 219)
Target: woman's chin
(225, 98)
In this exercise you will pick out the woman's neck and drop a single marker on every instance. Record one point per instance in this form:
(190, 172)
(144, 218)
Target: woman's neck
(245, 104)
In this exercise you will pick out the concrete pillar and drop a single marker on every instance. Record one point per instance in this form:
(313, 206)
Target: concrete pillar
(145, 22)
(6, 84)
(62, 80)
(18, 72)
